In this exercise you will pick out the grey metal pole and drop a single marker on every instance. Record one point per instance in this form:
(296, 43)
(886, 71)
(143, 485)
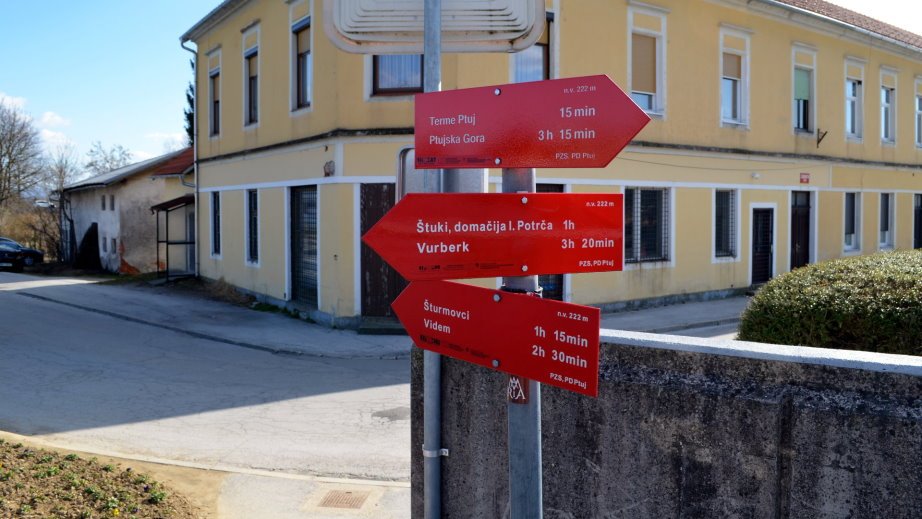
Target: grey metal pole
(523, 397)
(432, 362)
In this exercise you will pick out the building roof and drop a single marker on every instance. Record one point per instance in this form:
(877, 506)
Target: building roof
(817, 7)
(858, 20)
(219, 13)
(177, 165)
(111, 177)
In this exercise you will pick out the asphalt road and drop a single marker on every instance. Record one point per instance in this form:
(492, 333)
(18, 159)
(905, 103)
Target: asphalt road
(103, 384)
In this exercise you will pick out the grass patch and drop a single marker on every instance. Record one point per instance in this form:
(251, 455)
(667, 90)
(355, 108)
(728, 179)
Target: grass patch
(43, 484)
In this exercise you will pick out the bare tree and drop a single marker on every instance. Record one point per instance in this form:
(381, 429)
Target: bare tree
(100, 160)
(63, 168)
(21, 156)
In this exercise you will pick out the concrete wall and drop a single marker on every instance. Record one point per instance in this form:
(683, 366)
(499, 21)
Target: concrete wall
(695, 428)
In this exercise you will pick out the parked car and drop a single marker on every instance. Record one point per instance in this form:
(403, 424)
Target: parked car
(10, 257)
(29, 256)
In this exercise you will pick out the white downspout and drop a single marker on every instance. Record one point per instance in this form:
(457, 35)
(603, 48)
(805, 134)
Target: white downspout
(195, 136)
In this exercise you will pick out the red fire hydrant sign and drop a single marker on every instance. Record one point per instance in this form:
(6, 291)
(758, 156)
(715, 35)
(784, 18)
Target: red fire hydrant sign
(476, 235)
(549, 341)
(580, 122)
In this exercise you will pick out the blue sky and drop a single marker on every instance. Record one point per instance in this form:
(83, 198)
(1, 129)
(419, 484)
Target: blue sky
(90, 70)
(113, 71)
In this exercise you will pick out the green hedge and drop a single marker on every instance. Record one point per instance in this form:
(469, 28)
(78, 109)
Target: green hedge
(871, 303)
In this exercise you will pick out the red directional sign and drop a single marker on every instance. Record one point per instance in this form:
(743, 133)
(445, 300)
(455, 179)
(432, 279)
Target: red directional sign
(552, 342)
(580, 122)
(476, 235)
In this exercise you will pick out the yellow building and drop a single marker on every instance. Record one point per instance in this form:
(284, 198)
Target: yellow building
(783, 133)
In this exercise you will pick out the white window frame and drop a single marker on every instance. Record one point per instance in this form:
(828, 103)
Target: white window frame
(369, 94)
(917, 98)
(803, 49)
(250, 262)
(659, 98)
(296, 25)
(858, 134)
(887, 242)
(735, 231)
(855, 246)
(743, 95)
(247, 52)
(892, 107)
(215, 252)
(214, 133)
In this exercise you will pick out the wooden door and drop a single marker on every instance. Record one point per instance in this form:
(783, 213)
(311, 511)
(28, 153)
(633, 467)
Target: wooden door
(800, 229)
(762, 245)
(380, 283)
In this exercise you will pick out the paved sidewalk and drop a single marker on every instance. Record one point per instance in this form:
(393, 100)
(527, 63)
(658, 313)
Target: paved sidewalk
(204, 318)
(674, 318)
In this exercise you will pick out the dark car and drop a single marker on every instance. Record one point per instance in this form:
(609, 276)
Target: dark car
(29, 256)
(10, 257)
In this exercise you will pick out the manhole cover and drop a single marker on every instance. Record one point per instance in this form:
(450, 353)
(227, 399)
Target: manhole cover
(344, 499)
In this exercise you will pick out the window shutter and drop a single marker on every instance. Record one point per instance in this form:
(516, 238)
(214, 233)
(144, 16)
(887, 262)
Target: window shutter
(801, 84)
(643, 63)
(733, 66)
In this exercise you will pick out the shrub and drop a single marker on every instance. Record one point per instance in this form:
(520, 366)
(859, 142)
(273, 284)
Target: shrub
(871, 303)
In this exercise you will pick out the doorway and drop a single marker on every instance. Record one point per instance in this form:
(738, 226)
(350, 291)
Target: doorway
(304, 245)
(551, 284)
(762, 244)
(800, 229)
(380, 283)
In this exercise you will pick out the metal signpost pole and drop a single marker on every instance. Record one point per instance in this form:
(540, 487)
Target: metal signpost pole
(432, 362)
(524, 396)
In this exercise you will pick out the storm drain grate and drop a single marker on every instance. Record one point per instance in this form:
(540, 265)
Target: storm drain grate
(344, 499)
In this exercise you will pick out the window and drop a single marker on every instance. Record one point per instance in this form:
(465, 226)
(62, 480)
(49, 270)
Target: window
(397, 74)
(534, 63)
(886, 114)
(112, 202)
(114, 249)
(734, 76)
(215, 223)
(303, 62)
(888, 106)
(730, 87)
(214, 93)
(803, 100)
(252, 225)
(886, 220)
(724, 223)
(852, 221)
(853, 106)
(103, 198)
(919, 121)
(647, 58)
(104, 245)
(646, 224)
(251, 89)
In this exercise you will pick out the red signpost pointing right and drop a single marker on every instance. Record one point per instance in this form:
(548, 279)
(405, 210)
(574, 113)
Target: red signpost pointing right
(552, 342)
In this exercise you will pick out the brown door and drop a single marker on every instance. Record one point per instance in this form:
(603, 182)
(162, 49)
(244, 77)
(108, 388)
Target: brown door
(380, 283)
(551, 284)
(762, 245)
(800, 229)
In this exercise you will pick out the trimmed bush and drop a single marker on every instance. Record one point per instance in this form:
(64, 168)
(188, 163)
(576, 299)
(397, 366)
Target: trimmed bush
(870, 303)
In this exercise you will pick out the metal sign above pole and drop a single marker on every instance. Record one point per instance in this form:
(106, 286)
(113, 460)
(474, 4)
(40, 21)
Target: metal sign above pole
(397, 26)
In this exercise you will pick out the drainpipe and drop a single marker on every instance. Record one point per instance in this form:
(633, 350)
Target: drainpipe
(182, 43)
